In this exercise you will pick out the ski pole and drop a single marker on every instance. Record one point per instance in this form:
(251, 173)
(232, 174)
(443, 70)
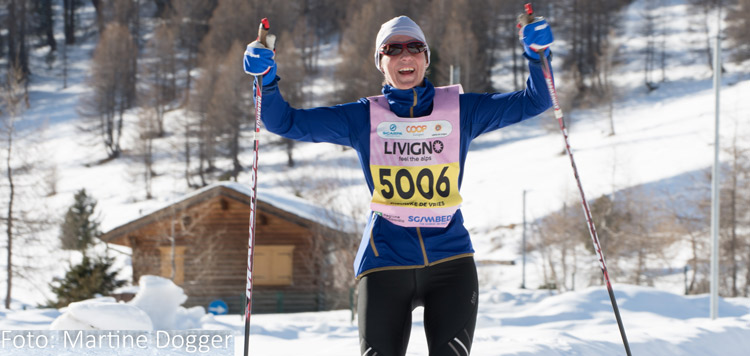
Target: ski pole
(592, 230)
(262, 33)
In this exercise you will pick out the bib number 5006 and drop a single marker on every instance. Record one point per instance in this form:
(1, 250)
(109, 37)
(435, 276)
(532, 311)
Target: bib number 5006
(406, 185)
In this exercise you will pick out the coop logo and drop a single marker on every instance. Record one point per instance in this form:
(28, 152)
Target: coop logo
(414, 131)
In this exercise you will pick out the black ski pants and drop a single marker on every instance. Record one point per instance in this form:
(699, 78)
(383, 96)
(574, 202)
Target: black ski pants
(448, 291)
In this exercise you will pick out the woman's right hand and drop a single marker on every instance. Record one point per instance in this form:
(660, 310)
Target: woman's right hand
(259, 59)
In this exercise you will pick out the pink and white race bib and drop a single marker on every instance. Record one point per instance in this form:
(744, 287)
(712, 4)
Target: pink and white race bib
(414, 162)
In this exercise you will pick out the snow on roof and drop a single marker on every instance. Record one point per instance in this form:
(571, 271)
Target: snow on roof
(298, 206)
(286, 202)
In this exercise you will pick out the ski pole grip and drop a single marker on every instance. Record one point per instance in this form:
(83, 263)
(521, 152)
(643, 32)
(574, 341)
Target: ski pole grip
(263, 31)
(527, 17)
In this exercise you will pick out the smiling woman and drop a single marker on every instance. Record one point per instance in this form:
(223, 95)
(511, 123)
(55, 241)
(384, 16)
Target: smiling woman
(412, 142)
(403, 69)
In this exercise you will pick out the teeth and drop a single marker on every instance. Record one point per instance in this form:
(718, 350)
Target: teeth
(406, 70)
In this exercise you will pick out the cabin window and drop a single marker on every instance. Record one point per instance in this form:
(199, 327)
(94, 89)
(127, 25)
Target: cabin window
(187, 220)
(165, 257)
(272, 265)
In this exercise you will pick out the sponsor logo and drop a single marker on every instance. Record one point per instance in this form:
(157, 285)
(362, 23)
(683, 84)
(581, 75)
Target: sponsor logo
(438, 146)
(413, 148)
(431, 219)
(414, 131)
(391, 132)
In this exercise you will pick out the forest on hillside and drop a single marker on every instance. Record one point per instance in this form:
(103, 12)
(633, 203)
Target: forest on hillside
(165, 54)
(156, 56)
(162, 54)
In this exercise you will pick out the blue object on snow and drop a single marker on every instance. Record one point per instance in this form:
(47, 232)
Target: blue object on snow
(218, 307)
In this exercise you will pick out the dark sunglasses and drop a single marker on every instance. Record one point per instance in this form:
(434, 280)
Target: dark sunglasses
(393, 49)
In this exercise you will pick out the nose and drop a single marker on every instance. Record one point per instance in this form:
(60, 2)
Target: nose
(405, 55)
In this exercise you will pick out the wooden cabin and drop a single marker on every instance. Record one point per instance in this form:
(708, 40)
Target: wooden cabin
(200, 242)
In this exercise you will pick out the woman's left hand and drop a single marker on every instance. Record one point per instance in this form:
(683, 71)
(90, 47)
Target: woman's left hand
(536, 36)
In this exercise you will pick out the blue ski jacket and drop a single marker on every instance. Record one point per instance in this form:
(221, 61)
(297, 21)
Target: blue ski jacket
(386, 245)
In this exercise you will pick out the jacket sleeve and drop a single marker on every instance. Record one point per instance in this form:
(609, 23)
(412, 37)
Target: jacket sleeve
(333, 124)
(488, 112)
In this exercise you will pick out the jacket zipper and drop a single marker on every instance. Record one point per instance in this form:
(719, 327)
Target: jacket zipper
(371, 225)
(372, 244)
(421, 243)
(411, 109)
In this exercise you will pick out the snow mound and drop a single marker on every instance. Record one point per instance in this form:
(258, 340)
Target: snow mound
(156, 306)
(593, 301)
(670, 305)
(162, 300)
(102, 314)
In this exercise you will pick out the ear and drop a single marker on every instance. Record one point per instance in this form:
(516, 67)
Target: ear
(426, 60)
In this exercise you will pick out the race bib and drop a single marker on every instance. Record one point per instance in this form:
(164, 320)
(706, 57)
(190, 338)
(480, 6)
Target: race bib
(414, 162)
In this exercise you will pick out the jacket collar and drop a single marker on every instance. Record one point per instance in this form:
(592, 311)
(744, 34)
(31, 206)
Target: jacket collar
(414, 102)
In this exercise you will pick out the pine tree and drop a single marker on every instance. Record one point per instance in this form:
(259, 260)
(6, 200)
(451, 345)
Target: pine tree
(84, 281)
(112, 77)
(80, 227)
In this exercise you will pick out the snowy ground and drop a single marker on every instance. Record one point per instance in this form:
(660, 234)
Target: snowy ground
(522, 322)
(662, 138)
(511, 322)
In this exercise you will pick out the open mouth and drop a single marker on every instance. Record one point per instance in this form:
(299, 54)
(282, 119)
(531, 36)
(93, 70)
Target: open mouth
(407, 70)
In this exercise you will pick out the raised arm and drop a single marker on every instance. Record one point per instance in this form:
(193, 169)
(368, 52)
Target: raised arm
(487, 112)
(334, 124)
(324, 124)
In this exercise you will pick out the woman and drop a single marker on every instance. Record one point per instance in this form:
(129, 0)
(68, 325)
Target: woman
(412, 143)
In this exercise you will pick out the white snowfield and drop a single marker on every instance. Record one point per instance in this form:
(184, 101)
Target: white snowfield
(511, 322)
(535, 323)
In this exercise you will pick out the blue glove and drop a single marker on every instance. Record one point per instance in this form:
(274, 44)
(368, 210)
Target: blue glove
(535, 36)
(259, 60)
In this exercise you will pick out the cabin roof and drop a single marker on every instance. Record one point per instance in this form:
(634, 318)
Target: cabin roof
(289, 207)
